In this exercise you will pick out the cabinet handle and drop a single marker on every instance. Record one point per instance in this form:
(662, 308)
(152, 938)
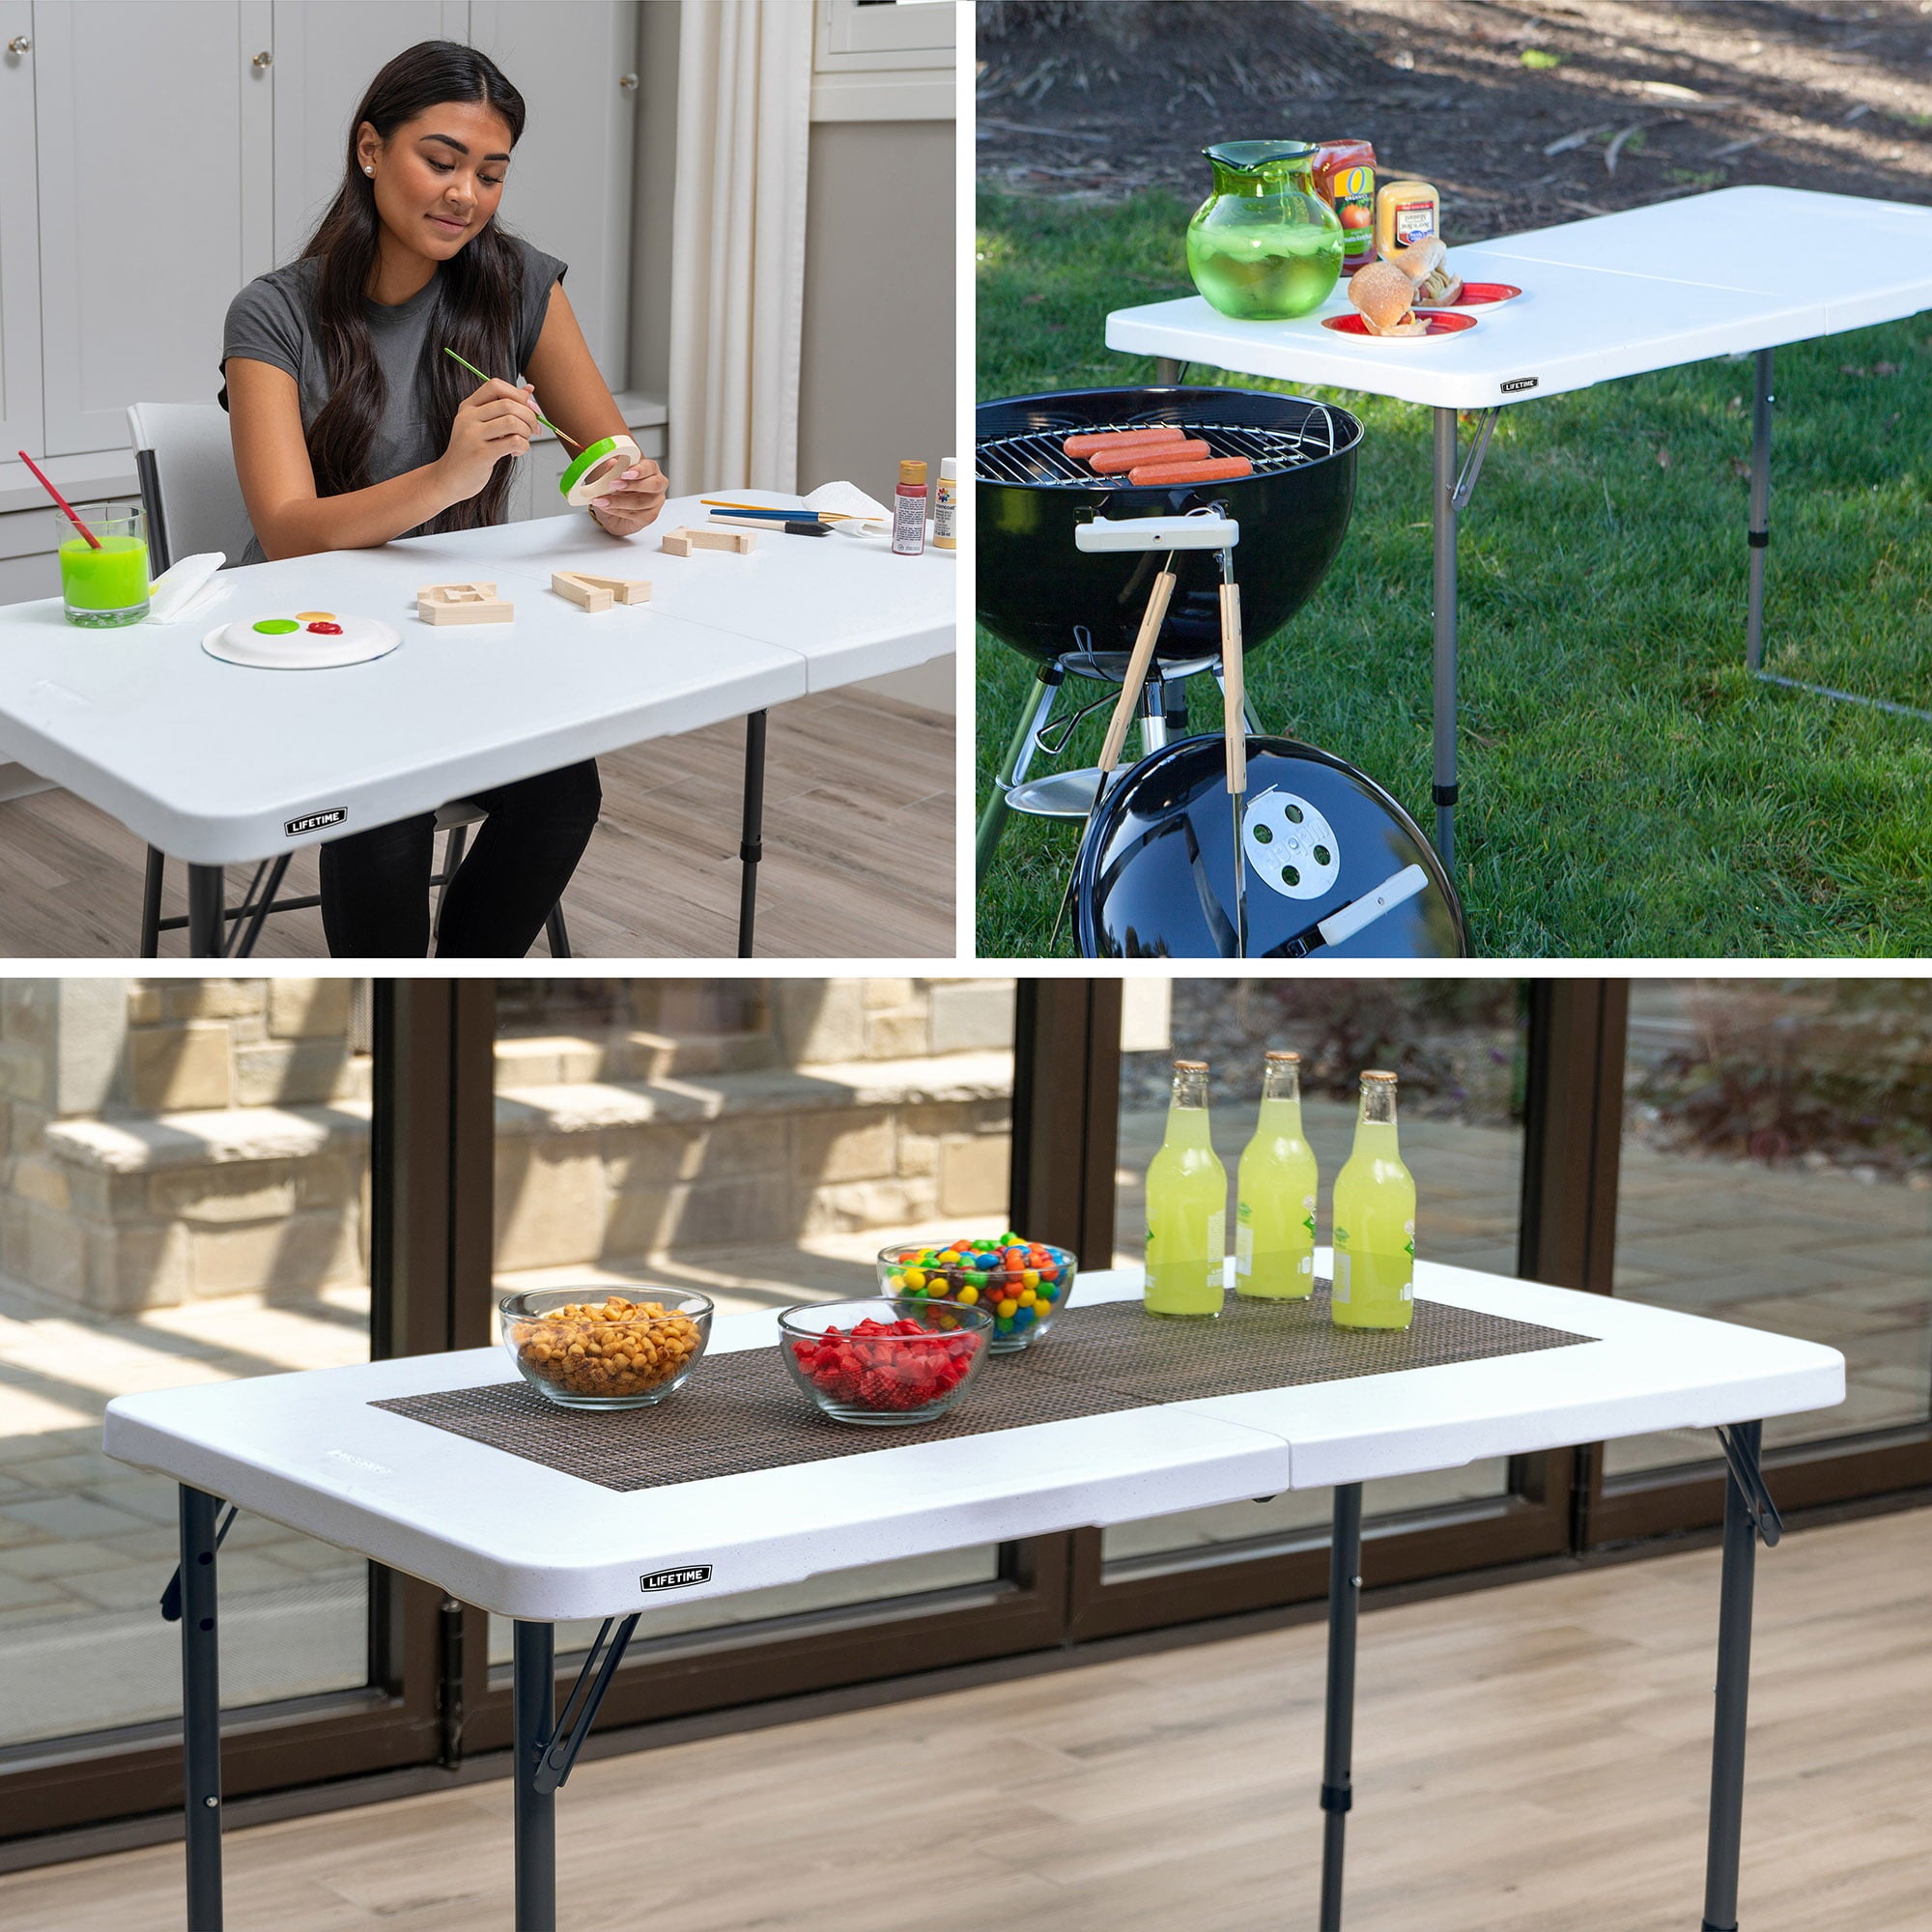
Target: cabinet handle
(627, 81)
(262, 59)
(20, 44)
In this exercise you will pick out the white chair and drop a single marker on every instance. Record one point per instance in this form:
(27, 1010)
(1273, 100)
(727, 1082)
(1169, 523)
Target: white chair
(185, 464)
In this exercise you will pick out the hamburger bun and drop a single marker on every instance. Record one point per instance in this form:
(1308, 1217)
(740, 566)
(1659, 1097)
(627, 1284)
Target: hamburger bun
(1385, 295)
(1427, 265)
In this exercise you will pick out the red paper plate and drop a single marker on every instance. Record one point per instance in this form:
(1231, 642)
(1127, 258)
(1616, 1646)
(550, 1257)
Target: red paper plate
(1483, 295)
(1441, 322)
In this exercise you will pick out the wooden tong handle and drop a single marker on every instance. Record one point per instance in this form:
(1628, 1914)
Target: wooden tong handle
(1236, 699)
(1137, 669)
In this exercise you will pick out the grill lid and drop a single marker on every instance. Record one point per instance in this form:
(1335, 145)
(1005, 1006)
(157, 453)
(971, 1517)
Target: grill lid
(1035, 460)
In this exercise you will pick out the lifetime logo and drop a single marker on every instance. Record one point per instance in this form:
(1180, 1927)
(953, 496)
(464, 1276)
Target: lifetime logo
(1516, 383)
(314, 821)
(676, 1580)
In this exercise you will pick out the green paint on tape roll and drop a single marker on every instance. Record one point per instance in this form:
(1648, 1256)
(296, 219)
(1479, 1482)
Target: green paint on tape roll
(598, 470)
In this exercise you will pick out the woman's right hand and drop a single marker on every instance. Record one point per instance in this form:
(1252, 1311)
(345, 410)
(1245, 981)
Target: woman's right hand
(494, 422)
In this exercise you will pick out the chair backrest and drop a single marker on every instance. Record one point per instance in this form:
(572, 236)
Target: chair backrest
(186, 466)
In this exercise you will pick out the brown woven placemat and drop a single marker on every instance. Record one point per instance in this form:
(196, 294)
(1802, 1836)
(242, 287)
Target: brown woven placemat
(741, 1411)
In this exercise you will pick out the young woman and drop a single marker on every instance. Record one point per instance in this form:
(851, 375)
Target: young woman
(351, 427)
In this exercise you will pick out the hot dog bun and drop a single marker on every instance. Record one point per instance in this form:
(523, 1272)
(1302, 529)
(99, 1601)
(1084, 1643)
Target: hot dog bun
(1215, 470)
(1386, 296)
(1426, 265)
(1189, 449)
(1090, 441)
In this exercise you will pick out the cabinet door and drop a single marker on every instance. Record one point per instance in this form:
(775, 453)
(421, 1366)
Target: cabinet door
(20, 241)
(139, 106)
(569, 186)
(325, 60)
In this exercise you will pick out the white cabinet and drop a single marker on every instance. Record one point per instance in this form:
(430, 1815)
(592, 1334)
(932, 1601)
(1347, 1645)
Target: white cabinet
(19, 236)
(569, 184)
(143, 114)
(325, 56)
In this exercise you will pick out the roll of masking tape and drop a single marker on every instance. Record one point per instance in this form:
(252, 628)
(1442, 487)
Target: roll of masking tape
(598, 470)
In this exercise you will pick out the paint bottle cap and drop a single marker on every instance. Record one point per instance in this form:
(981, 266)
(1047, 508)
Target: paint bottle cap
(948, 468)
(912, 475)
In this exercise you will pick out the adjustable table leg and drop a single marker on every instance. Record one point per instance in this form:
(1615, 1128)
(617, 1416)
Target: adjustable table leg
(534, 1697)
(206, 926)
(201, 1711)
(750, 845)
(1759, 533)
(1446, 515)
(1345, 1596)
(1734, 1634)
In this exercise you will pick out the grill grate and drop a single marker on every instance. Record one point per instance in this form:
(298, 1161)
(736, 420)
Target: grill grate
(1035, 459)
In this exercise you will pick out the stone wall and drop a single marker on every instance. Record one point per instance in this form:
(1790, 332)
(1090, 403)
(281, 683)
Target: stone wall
(164, 1141)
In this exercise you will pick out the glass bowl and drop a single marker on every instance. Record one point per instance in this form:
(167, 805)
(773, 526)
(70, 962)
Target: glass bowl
(886, 1362)
(584, 1352)
(1024, 1284)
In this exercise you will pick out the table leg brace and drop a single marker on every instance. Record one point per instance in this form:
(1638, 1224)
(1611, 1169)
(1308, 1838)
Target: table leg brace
(1748, 1513)
(1345, 1596)
(534, 1697)
(201, 1711)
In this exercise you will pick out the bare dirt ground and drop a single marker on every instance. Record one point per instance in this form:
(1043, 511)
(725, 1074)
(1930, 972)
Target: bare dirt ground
(1522, 115)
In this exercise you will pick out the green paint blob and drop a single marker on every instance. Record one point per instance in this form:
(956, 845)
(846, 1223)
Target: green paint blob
(274, 627)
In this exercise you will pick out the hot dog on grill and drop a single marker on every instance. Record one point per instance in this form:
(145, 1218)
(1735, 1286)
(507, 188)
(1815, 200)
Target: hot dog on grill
(1190, 449)
(1089, 442)
(1214, 470)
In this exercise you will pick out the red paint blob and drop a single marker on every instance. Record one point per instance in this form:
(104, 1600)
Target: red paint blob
(326, 630)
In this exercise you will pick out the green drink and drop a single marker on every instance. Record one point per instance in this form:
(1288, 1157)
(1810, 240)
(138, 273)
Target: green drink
(1375, 1221)
(1263, 246)
(1274, 1236)
(1186, 1207)
(106, 586)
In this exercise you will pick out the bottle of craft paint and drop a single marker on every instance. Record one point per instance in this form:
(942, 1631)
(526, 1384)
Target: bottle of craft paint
(1274, 1191)
(1374, 1220)
(1186, 1206)
(909, 511)
(946, 506)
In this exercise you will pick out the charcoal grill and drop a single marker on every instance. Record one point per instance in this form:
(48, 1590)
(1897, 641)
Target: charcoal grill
(1075, 612)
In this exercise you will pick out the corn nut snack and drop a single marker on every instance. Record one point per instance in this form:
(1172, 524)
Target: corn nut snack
(611, 1349)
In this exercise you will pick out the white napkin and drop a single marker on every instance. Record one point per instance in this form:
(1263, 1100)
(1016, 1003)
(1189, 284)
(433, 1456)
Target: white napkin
(853, 502)
(184, 587)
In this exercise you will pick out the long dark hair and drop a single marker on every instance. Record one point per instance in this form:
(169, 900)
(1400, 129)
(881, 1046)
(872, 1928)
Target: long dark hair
(478, 290)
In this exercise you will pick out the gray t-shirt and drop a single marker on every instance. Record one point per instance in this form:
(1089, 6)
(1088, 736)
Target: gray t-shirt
(273, 320)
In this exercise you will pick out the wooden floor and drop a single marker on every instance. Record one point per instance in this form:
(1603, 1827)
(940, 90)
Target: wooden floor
(859, 850)
(1528, 1759)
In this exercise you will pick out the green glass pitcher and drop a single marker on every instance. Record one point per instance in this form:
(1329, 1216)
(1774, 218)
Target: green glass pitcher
(1263, 246)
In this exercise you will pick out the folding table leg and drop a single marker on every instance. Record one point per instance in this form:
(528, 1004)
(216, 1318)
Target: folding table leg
(201, 1711)
(534, 1697)
(1444, 789)
(1345, 1596)
(751, 843)
(1734, 1635)
(1759, 534)
(207, 924)
(1013, 767)
(151, 904)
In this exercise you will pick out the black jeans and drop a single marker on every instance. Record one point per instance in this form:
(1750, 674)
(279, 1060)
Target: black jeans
(374, 884)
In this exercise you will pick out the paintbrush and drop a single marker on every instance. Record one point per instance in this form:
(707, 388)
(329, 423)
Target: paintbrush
(797, 513)
(545, 420)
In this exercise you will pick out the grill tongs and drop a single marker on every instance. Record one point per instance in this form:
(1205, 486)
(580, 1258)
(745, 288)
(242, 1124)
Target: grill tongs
(1205, 529)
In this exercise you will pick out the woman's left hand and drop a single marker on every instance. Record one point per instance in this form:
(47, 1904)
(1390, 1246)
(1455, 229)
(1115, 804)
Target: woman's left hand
(627, 509)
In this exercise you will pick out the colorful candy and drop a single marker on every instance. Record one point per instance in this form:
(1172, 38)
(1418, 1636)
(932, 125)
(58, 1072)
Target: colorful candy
(895, 1366)
(1021, 1282)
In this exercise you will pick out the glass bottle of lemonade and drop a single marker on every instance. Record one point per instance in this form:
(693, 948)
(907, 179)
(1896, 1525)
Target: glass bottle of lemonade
(1186, 1206)
(1374, 1220)
(1275, 1218)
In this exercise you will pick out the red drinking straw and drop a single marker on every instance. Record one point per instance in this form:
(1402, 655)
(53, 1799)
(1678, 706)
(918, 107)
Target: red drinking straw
(60, 500)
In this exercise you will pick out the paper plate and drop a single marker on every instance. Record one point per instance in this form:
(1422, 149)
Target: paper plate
(1441, 322)
(1481, 295)
(295, 642)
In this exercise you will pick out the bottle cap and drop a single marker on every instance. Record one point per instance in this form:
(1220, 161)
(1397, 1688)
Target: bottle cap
(1390, 1077)
(1295, 1056)
(1190, 1066)
(912, 473)
(948, 468)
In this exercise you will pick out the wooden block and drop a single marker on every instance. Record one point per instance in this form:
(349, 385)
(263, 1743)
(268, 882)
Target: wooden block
(475, 603)
(625, 589)
(580, 590)
(682, 542)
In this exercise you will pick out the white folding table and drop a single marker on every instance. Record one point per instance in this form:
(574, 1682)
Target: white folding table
(538, 1544)
(1616, 295)
(217, 763)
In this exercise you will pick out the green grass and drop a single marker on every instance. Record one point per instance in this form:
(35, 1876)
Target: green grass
(1628, 789)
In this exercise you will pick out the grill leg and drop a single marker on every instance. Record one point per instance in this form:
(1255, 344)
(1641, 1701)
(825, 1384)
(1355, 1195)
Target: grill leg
(534, 1695)
(1728, 1748)
(207, 937)
(1345, 1596)
(1020, 748)
(751, 843)
(1759, 535)
(1445, 636)
(201, 1711)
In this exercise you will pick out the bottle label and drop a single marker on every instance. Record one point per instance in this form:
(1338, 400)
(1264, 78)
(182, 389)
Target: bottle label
(1307, 1265)
(1244, 1246)
(909, 522)
(945, 516)
(1217, 1243)
(1415, 221)
(1339, 1291)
